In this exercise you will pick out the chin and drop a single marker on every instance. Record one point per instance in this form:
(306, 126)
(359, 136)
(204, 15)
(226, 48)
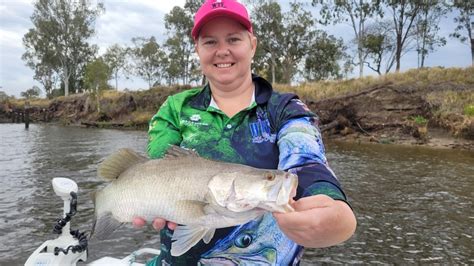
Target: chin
(223, 79)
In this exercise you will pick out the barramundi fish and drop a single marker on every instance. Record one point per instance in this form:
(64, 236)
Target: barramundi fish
(198, 194)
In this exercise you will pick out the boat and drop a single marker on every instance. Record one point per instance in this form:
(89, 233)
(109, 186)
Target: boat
(70, 247)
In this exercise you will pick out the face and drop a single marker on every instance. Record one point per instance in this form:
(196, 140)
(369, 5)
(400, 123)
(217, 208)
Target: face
(225, 49)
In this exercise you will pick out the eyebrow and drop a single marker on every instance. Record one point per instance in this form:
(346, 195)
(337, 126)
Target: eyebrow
(230, 34)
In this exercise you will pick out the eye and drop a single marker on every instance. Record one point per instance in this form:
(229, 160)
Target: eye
(209, 42)
(270, 176)
(233, 40)
(243, 241)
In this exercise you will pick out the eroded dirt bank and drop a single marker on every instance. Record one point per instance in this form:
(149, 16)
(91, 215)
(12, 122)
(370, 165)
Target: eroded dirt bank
(403, 114)
(432, 111)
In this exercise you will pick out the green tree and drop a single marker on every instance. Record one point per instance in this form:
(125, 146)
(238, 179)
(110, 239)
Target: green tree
(464, 23)
(427, 28)
(33, 92)
(404, 14)
(323, 57)
(58, 40)
(291, 35)
(97, 73)
(180, 46)
(378, 43)
(45, 75)
(150, 60)
(298, 35)
(3, 96)
(357, 13)
(116, 59)
(268, 21)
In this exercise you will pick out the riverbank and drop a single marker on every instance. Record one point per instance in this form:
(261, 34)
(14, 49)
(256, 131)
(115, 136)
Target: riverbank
(432, 107)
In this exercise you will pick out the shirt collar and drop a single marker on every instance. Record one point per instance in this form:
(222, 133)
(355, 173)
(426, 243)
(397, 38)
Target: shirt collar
(263, 91)
(213, 103)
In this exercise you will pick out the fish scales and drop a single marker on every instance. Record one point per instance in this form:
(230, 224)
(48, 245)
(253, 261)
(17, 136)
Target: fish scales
(151, 181)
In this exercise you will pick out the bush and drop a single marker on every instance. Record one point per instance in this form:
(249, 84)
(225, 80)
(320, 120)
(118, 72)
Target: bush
(419, 120)
(469, 110)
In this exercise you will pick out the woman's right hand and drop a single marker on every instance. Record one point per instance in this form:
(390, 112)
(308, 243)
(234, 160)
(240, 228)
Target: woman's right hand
(157, 223)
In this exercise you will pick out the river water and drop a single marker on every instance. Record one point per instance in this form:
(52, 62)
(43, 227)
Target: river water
(413, 204)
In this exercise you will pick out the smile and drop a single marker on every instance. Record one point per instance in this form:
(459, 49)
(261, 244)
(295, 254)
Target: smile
(223, 65)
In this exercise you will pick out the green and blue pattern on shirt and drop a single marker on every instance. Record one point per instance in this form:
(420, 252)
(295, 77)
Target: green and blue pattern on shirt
(277, 131)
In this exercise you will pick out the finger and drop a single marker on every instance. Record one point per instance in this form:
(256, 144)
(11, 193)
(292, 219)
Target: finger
(306, 209)
(172, 226)
(138, 222)
(158, 224)
(311, 202)
(298, 219)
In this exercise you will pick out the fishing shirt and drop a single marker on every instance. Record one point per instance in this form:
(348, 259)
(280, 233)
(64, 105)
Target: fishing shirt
(277, 131)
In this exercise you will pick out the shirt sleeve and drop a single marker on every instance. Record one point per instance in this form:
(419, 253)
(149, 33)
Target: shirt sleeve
(163, 130)
(302, 152)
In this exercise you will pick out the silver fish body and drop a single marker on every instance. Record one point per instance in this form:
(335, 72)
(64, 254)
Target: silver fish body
(199, 194)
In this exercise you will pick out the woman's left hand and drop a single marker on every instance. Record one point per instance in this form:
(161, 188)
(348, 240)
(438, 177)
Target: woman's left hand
(318, 221)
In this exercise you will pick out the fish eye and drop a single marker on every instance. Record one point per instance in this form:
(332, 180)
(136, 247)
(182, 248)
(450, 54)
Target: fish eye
(243, 240)
(270, 176)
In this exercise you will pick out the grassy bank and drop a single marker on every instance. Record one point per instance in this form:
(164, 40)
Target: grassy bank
(447, 96)
(421, 78)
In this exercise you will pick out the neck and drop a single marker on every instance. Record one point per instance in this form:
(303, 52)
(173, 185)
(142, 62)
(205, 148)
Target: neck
(233, 99)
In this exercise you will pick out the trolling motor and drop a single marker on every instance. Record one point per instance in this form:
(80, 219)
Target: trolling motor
(71, 246)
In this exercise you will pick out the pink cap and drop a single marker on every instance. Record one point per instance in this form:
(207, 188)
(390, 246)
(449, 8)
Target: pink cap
(215, 8)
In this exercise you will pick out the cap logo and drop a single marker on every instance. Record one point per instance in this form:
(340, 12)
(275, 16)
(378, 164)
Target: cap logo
(217, 4)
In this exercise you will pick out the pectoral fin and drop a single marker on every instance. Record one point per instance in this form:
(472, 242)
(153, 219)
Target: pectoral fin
(185, 237)
(209, 235)
(104, 226)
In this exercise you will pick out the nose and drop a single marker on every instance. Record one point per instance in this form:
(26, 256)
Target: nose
(222, 51)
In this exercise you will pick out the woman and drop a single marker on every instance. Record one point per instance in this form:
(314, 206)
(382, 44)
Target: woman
(237, 117)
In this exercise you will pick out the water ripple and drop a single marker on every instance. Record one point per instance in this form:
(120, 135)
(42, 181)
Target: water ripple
(414, 205)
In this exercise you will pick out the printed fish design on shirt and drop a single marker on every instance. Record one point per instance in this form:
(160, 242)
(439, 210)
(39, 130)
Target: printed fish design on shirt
(259, 242)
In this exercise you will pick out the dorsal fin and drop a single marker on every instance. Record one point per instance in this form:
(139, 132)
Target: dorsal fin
(175, 152)
(117, 163)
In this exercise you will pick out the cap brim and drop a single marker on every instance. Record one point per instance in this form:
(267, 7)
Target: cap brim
(220, 13)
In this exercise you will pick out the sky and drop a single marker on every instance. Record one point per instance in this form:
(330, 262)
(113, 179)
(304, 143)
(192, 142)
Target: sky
(124, 20)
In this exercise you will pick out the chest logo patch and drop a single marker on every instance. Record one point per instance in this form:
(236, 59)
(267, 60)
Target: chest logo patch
(195, 118)
(194, 121)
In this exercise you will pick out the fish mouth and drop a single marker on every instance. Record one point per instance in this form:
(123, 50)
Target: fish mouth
(231, 262)
(217, 261)
(253, 258)
(280, 195)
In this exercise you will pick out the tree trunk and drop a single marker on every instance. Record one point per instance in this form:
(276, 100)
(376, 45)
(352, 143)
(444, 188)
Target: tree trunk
(398, 54)
(273, 69)
(97, 98)
(472, 52)
(66, 82)
(116, 80)
(423, 53)
(360, 51)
